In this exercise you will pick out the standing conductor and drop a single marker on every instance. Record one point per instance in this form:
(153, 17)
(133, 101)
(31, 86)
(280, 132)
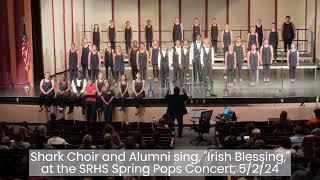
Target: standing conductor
(177, 107)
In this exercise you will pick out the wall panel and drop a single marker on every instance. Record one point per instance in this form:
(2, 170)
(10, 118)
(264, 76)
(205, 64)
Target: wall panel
(238, 9)
(59, 35)
(126, 10)
(150, 10)
(78, 21)
(47, 38)
(218, 9)
(190, 10)
(68, 25)
(264, 10)
(170, 10)
(318, 33)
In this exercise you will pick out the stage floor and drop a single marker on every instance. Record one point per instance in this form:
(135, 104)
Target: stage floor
(307, 86)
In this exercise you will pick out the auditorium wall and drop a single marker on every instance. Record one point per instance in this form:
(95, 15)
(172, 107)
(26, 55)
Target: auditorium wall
(82, 14)
(318, 33)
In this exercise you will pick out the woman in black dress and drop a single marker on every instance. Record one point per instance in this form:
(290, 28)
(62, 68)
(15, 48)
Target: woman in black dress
(177, 30)
(252, 38)
(196, 29)
(123, 92)
(94, 63)
(112, 34)
(63, 93)
(46, 92)
(138, 91)
(118, 60)
(108, 105)
(96, 36)
(273, 39)
(100, 83)
(128, 36)
(133, 59)
(108, 61)
(149, 34)
(259, 31)
(142, 60)
(72, 62)
(85, 50)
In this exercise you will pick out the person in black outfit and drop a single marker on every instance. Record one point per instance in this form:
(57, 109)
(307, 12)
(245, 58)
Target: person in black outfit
(85, 50)
(63, 93)
(196, 29)
(128, 36)
(123, 92)
(284, 124)
(96, 36)
(107, 99)
(273, 39)
(259, 31)
(133, 59)
(112, 34)
(149, 34)
(138, 91)
(288, 33)
(177, 107)
(118, 60)
(46, 92)
(73, 62)
(94, 63)
(214, 34)
(108, 61)
(177, 30)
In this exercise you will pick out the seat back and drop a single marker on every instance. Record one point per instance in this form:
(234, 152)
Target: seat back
(204, 121)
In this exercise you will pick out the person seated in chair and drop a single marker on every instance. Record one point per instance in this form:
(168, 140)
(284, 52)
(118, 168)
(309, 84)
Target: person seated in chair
(177, 107)
(78, 86)
(315, 121)
(283, 125)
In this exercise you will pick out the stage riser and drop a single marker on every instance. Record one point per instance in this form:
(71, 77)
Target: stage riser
(249, 112)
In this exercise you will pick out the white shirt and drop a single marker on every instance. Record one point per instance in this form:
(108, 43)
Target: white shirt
(198, 44)
(206, 50)
(164, 51)
(78, 83)
(178, 50)
(56, 141)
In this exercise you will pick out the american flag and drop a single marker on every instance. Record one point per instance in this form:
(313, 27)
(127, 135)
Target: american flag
(25, 53)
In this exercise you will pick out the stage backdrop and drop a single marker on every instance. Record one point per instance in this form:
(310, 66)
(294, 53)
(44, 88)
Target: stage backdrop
(66, 21)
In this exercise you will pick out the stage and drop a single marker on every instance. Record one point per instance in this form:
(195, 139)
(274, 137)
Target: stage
(305, 89)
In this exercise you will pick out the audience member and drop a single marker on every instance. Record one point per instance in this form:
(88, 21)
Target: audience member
(315, 121)
(19, 142)
(297, 138)
(284, 125)
(108, 144)
(56, 139)
(87, 142)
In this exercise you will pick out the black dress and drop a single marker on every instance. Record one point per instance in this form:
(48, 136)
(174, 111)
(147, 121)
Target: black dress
(96, 39)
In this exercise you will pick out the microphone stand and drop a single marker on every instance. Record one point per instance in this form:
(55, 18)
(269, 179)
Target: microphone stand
(282, 71)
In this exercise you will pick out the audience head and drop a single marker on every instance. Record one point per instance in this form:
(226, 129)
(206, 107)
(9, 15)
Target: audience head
(283, 116)
(176, 90)
(107, 139)
(256, 132)
(298, 130)
(87, 141)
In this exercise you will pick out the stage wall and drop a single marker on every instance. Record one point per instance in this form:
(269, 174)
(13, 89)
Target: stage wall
(64, 21)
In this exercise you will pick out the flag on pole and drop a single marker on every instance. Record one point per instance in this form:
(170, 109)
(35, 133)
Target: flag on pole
(25, 53)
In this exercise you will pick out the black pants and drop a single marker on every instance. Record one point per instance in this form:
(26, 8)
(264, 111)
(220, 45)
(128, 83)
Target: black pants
(238, 71)
(85, 70)
(143, 71)
(266, 70)
(197, 71)
(73, 74)
(148, 44)
(287, 44)
(207, 74)
(75, 100)
(128, 46)
(117, 73)
(155, 70)
(179, 119)
(91, 107)
(111, 70)
(46, 99)
(94, 74)
(107, 112)
(62, 98)
(230, 75)
(175, 73)
(113, 44)
(214, 44)
(138, 99)
(134, 70)
(123, 100)
(164, 74)
(292, 72)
